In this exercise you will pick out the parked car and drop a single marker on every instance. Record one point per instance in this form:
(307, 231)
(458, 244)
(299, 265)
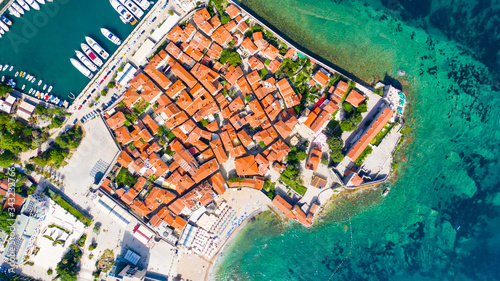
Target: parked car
(80, 107)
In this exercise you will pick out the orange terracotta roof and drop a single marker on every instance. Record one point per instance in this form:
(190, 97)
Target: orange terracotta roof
(105, 186)
(123, 136)
(177, 206)
(249, 46)
(131, 97)
(233, 74)
(214, 21)
(230, 25)
(314, 157)
(370, 133)
(116, 120)
(140, 208)
(246, 166)
(238, 18)
(222, 36)
(175, 89)
(219, 151)
(271, 52)
(291, 98)
(320, 122)
(150, 124)
(321, 78)
(217, 182)
(179, 223)
(185, 160)
(355, 98)
(244, 138)
(129, 196)
(243, 27)
(158, 196)
(175, 34)
(124, 159)
(267, 136)
(341, 89)
(356, 180)
(232, 11)
(187, 78)
(290, 53)
(283, 129)
(214, 51)
(205, 170)
(255, 64)
(274, 66)
(283, 206)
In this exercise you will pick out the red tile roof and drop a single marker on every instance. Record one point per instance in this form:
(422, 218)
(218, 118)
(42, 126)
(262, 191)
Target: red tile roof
(314, 157)
(283, 206)
(355, 98)
(116, 120)
(246, 166)
(232, 11)
(370, 133)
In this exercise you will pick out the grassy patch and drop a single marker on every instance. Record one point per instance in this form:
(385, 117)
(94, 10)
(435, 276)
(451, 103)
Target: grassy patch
(380, 136)
(363, 155)
(68, 207)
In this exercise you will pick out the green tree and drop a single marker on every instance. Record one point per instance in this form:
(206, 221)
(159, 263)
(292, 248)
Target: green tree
(67, 269)
(40, 109)
(347, 126)
(56, 122)
(225, 19)
(356, 118)
(337, 156)
(347, 107)
(362, 108)
(233, 58)
(110, 85)
(4, 90)
(124, 178)
(7, 158)
(104, 92)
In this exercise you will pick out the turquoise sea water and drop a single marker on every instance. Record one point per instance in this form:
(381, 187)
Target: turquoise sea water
(440, 221)
(42, 42)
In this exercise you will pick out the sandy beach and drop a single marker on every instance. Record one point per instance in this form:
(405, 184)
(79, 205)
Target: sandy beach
(247, 203)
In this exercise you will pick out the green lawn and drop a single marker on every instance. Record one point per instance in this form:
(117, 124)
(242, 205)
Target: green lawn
(68, 207)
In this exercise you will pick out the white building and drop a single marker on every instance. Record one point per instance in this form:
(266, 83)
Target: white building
(8, 104)
(25, 110)
(25, 229)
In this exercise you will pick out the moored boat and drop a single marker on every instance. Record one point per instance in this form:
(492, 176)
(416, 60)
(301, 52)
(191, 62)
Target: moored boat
(65, 103)
(24, 74)
(133, 8)
(111, 37)
(14, 12)
(5, 67)
(44, 87)
(4, 26)
(2, 31)
(40, 82)
(86, 61)
(33, 80)
(22, 88)
(41, 1)
(23, 5)
(92, 56)
(6, 20)
(144, 4)
(11, 68)
(122, 11)
(3, 78)
(50, 89)
(81, 68)
(96, 47)
(18, 8)
(386, 191)
(33, 4)
(17, 73)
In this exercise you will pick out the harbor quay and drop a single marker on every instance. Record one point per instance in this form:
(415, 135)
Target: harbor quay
(202, 119)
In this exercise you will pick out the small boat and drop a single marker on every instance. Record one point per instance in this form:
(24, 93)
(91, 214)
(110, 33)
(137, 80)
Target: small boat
(96, 47)
(33, 80)
(123, 12)
(23, 5)
(24, 74)
(458, 228)
(17, 73)
(22, 88)
(46, 97)
(11, 68)
(2, 31)
(111, 37)
(33, 4)
(132, 7)
(92, 56)
(386, 191)
(21, 74)
(44, 87)
(5, 67)
(61, 102)
(4, 26)
(18, 8)
(41, 1)
(11, 83)
(14, 12)
(3, 78)
(85, 71)
(144, 4)
(40, 82)
(86, 61)
(38, 94)
(30, 91)
(65, 104)
(50, 89)
(1, 66)
(6, 20)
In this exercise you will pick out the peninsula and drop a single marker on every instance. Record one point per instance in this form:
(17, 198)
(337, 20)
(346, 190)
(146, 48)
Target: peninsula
(210, 120)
